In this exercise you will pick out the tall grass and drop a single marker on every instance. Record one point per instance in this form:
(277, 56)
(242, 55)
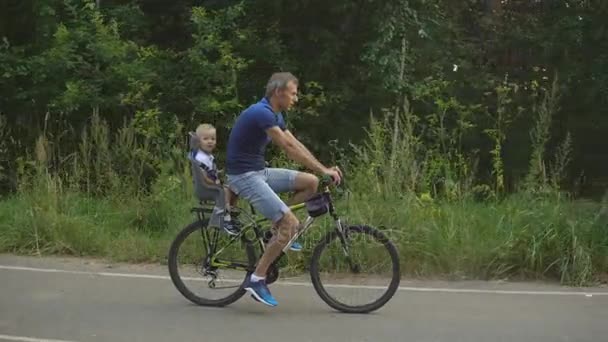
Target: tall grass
(5, 139)
(468, 229)
(520, 237)
(125, 196)
(115, 196)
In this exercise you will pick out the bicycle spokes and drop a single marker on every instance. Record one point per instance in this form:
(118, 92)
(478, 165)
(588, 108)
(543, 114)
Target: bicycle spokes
(212, 262)
(345, 244)
(354, 267)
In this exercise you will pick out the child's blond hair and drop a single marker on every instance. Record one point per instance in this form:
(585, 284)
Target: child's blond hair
(203, 128)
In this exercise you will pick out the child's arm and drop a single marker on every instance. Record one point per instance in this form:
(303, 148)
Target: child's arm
(208, 180)
(209, 171)
(219, 173)
(209, 175)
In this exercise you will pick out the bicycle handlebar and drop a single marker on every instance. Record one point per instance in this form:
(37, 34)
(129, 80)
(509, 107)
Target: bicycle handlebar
(326, 180)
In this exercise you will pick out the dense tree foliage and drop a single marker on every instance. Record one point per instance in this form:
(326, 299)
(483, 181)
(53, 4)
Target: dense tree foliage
(501, 90)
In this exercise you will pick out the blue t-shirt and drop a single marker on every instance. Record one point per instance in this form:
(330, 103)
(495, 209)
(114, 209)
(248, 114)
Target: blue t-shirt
(248, 139)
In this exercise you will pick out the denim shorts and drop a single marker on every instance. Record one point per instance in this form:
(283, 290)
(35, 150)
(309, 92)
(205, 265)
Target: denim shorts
(260, 188)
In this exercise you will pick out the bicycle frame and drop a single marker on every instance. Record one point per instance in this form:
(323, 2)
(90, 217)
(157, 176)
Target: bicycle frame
(255, 225)
(217, 243)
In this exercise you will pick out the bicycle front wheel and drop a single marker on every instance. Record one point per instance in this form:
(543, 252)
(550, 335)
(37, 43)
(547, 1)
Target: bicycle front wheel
(356, 271)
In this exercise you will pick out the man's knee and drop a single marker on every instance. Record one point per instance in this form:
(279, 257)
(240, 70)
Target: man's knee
(287, 227)
(307, 181)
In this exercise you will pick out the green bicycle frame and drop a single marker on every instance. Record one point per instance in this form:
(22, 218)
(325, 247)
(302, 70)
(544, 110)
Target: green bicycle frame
(255, 225)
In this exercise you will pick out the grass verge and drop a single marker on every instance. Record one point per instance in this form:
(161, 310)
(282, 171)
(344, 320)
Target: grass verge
(520, 237)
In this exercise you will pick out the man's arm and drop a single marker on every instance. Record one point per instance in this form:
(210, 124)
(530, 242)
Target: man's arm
(307, 152)
(299, 145)
(295, 150)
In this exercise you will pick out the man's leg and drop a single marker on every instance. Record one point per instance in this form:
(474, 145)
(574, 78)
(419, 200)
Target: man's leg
(302, 184)
(256, 284)
(254, 188)
(287, 228)
(305, 186)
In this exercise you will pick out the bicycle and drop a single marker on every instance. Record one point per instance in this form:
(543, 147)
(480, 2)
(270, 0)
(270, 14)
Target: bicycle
(210, 262)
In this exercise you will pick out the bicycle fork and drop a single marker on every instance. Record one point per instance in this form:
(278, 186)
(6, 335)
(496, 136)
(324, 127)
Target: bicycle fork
(343, 236)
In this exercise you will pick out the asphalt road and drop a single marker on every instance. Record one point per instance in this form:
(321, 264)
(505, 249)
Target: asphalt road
(59, 300)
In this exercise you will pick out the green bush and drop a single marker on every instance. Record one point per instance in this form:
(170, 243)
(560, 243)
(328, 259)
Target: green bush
(455, 232)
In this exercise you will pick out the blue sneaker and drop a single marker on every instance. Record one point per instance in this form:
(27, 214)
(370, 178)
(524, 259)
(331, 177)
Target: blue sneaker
(295, 246)
(260, 292)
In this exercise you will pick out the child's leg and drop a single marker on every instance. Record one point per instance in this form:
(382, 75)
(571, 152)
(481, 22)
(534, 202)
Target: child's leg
(220, 199)
(224, 197)
(228, 199)
(231, 197)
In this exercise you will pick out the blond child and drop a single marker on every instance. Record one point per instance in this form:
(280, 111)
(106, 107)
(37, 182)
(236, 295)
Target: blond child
(202, 145)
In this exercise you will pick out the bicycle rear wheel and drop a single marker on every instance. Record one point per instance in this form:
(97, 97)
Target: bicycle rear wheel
(365, 261)
(202, 258)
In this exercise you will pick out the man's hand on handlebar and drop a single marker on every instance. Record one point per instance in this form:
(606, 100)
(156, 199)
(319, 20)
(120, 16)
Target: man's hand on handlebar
(335, 173)
(338, 170)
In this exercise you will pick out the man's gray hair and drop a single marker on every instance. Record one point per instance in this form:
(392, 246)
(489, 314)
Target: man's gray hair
(279, 80)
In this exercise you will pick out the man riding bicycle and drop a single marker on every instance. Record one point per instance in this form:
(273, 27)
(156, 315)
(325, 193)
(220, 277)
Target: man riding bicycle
(249, 178)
